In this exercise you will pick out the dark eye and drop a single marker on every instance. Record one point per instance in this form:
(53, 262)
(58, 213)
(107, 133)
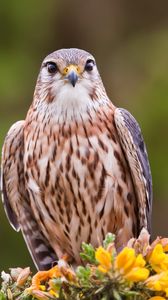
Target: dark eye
(52, 67)
(89, 65)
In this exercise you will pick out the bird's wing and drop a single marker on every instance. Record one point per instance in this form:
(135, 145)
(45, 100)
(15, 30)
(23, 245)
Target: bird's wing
(16, 199)
(12, 173)
(134, 149)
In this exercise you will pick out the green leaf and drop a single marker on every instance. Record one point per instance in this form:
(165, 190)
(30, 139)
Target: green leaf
(110, 238)
(88, 253)
(25, 297)
(116, 295)
(2, 296)
(105, 297)
(56, 281)
(83, 273)
(99, 275)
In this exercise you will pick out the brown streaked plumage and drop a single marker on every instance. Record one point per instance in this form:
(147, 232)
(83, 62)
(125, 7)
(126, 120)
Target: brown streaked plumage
(76, 167)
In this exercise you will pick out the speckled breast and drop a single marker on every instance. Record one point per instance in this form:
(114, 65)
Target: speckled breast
(79, 183)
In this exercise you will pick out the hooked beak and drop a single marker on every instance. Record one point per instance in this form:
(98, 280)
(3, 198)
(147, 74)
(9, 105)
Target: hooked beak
(73, 78)
(72, 74)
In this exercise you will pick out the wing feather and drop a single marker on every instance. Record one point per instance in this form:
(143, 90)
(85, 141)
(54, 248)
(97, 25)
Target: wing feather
(134, 148)
(16, 199)
(12, 173)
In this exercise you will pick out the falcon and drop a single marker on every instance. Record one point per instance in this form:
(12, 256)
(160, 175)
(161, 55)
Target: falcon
(77, 167)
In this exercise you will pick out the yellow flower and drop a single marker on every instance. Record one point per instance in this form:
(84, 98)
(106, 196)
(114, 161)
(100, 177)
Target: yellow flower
(42, 287)
(166, 291)
(137, 274)
(130, 266)
(162, 241)
(158, 282)
(158, 259)
(104, 259)
(125, 259)
(139, 261)
(38, 290)
(54, 272)
(45, 275)
(157, 298)
(54, 293)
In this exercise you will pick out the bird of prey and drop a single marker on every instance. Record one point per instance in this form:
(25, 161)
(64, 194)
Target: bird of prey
(76, 167)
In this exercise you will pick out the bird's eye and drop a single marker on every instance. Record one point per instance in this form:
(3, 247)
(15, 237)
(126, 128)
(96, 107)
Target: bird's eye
(52, 67)
(89, 65)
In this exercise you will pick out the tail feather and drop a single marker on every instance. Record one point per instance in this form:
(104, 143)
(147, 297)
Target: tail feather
(42, 253)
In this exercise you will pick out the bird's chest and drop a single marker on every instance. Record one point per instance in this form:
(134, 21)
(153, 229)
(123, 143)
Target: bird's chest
(72, 160)
(77, 178)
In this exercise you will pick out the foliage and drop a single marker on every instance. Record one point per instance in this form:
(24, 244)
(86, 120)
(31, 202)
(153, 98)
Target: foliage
(139, 271)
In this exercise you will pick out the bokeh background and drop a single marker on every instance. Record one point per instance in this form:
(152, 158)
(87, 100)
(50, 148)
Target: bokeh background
(130, 42)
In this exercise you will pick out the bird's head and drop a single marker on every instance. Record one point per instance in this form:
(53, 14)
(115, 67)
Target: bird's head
(69, 67)
(69, 77)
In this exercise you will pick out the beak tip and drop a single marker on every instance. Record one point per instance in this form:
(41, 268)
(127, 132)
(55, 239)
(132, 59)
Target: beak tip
(73, 78)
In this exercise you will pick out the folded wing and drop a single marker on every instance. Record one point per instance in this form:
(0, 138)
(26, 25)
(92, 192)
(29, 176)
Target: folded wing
(134, 149)
(16, 198)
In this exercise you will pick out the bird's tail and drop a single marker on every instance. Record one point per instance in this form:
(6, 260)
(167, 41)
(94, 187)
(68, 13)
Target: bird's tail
(42, 253)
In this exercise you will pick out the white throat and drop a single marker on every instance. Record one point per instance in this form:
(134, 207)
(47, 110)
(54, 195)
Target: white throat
(72, 102)
(73, 99)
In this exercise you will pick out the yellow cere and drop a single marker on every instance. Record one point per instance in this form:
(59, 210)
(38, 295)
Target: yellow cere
(70, 68)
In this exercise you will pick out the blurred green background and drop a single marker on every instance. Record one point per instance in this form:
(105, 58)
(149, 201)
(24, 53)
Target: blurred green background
(130, 42)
